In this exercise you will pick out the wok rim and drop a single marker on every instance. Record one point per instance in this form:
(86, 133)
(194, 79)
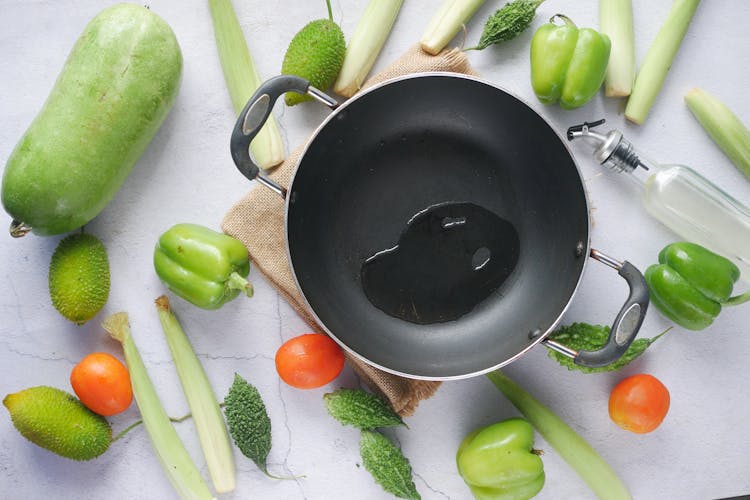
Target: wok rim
(538, 338)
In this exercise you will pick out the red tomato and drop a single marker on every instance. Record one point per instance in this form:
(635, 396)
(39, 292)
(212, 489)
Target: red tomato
(309, 361)
(102, 383)
(639, 403)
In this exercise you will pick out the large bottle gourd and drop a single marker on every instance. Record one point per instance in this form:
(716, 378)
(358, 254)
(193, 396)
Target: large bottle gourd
(115, 90)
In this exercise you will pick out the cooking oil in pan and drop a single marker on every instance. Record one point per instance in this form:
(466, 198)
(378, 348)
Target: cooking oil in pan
(449, 258)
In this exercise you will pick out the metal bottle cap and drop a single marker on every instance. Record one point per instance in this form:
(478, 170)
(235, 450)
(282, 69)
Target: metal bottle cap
(611, 150)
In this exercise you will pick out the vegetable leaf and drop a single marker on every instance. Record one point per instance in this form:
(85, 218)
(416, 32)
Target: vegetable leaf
(583, 336)
(387, 465)
(248, 421)
(360, 409)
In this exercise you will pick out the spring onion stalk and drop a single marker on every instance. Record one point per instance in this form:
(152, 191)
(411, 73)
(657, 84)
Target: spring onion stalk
(572, 448)
(201, 398)
(659, 58)
(723, 126)
(446, 22)
(172, 454)
(616, 21)
(366, 43)
(242, 80)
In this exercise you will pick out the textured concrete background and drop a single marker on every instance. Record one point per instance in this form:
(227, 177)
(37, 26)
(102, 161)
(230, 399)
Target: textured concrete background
(186, 175)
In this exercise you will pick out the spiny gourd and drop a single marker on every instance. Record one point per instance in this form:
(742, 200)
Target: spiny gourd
(79, 277)
(316, 53)
(58, 421)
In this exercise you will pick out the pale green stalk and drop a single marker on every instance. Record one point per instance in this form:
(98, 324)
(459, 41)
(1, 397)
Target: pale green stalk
(659, 58)
(174, 458)
(446, 22)
(723, 126)
(209, 421)
(243, 80)
(366, 43)
(616, 21)
(591, 467)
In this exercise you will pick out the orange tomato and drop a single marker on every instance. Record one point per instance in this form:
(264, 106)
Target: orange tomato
(639, 403)
(102, 383)
(309, 361)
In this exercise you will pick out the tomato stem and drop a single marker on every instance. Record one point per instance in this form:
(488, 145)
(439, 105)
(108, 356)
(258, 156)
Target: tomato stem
(139, 422)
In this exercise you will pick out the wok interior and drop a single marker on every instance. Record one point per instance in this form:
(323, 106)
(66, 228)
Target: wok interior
(402, 148)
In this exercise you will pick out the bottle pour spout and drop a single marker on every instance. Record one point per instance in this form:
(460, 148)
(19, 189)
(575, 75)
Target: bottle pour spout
(611, 150)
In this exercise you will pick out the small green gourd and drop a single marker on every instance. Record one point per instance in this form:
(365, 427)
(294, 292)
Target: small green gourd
(316, 53)
(59, 422)
(79, 277)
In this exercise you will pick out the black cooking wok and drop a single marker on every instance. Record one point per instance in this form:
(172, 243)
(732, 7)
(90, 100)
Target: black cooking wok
(391, 153)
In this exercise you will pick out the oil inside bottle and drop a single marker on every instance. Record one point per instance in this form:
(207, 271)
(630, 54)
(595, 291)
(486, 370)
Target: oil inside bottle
(449, 258)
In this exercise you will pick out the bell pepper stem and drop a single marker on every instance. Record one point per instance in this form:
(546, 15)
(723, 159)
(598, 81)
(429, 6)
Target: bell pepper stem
(564, 18)
(237, 282)
(738, 299)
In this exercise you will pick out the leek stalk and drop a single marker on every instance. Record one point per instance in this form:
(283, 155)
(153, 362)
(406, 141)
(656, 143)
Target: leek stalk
(569, 445)
(201, 398)
(659, 58)
(242, 80)
(723, 126)
(446, 22)
(366, 43)
(174, 458)
(616, 21)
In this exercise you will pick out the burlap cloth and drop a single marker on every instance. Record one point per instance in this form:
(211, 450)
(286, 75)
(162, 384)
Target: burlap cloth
(258, 221)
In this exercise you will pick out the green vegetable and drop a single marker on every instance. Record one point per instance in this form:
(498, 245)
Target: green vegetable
(387, 465)
(242, 80)
(116, 88)
(248, 421)
(723, 126)
(498, 461)
(616, 21)
(446, 23)
(59, 422)
(361, 409)
(201, 398)
(568, 64)
(691, 283)
(585, 337)
(659, 59)
(507, 23)
(204, 267)
(572, 448)
(174, 458)
(316, 53)
(365, 44)
(79, 277)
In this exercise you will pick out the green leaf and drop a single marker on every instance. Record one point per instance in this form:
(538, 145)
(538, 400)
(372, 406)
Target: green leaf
(361, 409)
(387, 465)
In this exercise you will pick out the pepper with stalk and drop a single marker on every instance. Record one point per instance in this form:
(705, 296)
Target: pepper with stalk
(204, 267)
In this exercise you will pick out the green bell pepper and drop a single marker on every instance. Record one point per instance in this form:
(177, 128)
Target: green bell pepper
(499, 462)
(691, 283)
(568, 64)
(204, 267)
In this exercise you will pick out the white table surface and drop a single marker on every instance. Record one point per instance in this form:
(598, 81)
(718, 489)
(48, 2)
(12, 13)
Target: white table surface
(186, 175)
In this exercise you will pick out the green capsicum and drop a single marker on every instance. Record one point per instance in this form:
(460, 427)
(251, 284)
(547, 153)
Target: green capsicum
(691, 284)
(499, 462)
(204, 267)
(568, 64)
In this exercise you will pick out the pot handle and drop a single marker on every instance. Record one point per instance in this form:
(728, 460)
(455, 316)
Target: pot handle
(626, 324)
(254, 116)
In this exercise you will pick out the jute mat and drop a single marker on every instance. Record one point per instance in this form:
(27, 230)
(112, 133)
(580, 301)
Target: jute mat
(258, 221)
